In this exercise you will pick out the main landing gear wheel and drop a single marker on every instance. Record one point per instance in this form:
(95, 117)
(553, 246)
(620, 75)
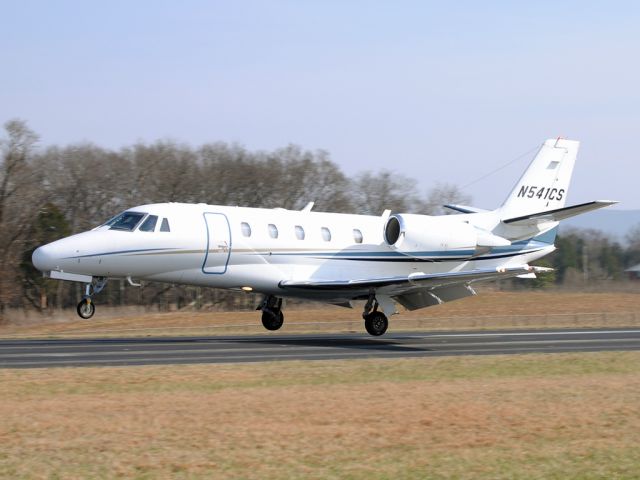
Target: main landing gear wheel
(376, 323)
(86, 308)
(272, 320)
(272, 317)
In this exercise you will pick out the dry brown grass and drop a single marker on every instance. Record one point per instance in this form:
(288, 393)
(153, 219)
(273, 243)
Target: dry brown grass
(487, 310)
(535, 416)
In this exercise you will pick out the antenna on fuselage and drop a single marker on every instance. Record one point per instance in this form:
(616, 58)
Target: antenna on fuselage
(308, 207)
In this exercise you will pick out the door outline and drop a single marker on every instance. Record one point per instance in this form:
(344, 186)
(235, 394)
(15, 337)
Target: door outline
(227, 240)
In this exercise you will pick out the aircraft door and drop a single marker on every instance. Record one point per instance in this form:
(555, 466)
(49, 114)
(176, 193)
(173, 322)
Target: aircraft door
(218, 250)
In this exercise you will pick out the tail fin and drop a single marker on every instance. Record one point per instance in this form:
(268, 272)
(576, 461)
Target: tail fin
(536, 204)
(545, 183)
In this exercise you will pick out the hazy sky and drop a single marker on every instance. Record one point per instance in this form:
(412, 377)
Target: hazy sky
(438, 91)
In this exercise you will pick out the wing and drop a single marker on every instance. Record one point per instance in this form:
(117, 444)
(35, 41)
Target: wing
(413, 291)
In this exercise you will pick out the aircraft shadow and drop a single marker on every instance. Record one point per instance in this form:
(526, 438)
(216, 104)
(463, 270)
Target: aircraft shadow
(329, 342)
(333, 342)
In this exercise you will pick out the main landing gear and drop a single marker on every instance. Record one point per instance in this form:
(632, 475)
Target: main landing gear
(272, 316)
(86, 308)
(375, 322)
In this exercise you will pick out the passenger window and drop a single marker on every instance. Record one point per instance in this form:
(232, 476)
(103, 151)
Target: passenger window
(299, 232)
(164, 226)
(149, 225)
(273, 231)
(125, 221)
(357, 235)
(326, 234)
(246, 229)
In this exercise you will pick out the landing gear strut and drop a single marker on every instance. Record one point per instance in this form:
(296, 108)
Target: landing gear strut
(86, 308)
(272, 316)
(375, 322)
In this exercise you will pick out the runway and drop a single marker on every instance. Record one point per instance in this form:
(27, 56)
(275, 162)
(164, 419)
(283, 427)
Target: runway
(268, 347)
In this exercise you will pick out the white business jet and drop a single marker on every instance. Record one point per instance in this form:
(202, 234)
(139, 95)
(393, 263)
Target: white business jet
(414, 260)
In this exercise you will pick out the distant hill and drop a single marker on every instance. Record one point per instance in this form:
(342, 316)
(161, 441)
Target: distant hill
(616, 223)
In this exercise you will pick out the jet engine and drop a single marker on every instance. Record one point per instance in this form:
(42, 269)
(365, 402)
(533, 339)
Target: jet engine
(423, 235)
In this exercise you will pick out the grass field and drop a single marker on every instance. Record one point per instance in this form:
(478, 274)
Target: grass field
(487, 310)
(562, 416)
(558, 416)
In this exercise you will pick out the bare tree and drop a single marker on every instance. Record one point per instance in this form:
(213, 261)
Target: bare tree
(443, 194)
(19, 198)
(376, 192)
(88, 183)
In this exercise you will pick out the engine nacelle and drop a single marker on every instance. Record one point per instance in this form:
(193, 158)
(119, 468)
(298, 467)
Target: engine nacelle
(424, 236)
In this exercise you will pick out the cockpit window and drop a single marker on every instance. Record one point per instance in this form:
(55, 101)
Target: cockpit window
(126, 221)
(149, 225)
(164, 226)
(109, 222)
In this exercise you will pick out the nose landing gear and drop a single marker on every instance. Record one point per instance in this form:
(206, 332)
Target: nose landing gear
(86, 308)
(272, 316)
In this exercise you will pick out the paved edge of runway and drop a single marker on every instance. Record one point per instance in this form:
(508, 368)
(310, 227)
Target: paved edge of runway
(45, 353)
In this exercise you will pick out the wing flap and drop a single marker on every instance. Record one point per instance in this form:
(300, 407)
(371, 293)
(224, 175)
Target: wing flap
(425, 297)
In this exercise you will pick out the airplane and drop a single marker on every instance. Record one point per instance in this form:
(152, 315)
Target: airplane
(409, 259)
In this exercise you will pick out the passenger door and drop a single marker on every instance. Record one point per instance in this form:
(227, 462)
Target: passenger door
(218, 251)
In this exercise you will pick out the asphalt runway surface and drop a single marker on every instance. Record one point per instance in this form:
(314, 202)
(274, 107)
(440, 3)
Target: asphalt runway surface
(269, 347)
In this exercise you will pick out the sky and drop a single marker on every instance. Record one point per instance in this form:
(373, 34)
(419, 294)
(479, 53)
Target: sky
(436, 91)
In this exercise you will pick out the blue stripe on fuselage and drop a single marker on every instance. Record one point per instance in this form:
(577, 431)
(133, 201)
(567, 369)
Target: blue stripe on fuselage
(104, 254)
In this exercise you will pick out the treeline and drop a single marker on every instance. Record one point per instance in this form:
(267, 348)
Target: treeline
(585, 257)
(50, 192)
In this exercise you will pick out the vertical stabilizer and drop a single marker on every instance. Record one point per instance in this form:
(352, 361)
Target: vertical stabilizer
(545, 183)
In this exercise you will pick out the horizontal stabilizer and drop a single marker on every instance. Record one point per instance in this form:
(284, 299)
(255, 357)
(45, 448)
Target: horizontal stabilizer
(559, 213)
(464, 208)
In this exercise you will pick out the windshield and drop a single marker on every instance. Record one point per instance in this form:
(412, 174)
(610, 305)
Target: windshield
(126, 221)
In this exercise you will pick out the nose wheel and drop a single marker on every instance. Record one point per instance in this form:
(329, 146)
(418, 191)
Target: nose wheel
(86, 308)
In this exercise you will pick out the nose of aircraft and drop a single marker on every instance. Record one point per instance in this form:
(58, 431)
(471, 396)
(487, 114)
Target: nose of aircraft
(43, 258)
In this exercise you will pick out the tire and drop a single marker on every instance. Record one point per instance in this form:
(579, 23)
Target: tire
(86, 309)
(272, 320)
(376, 323)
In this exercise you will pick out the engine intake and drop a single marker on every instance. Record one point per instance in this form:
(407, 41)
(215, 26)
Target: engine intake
(392, 230)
